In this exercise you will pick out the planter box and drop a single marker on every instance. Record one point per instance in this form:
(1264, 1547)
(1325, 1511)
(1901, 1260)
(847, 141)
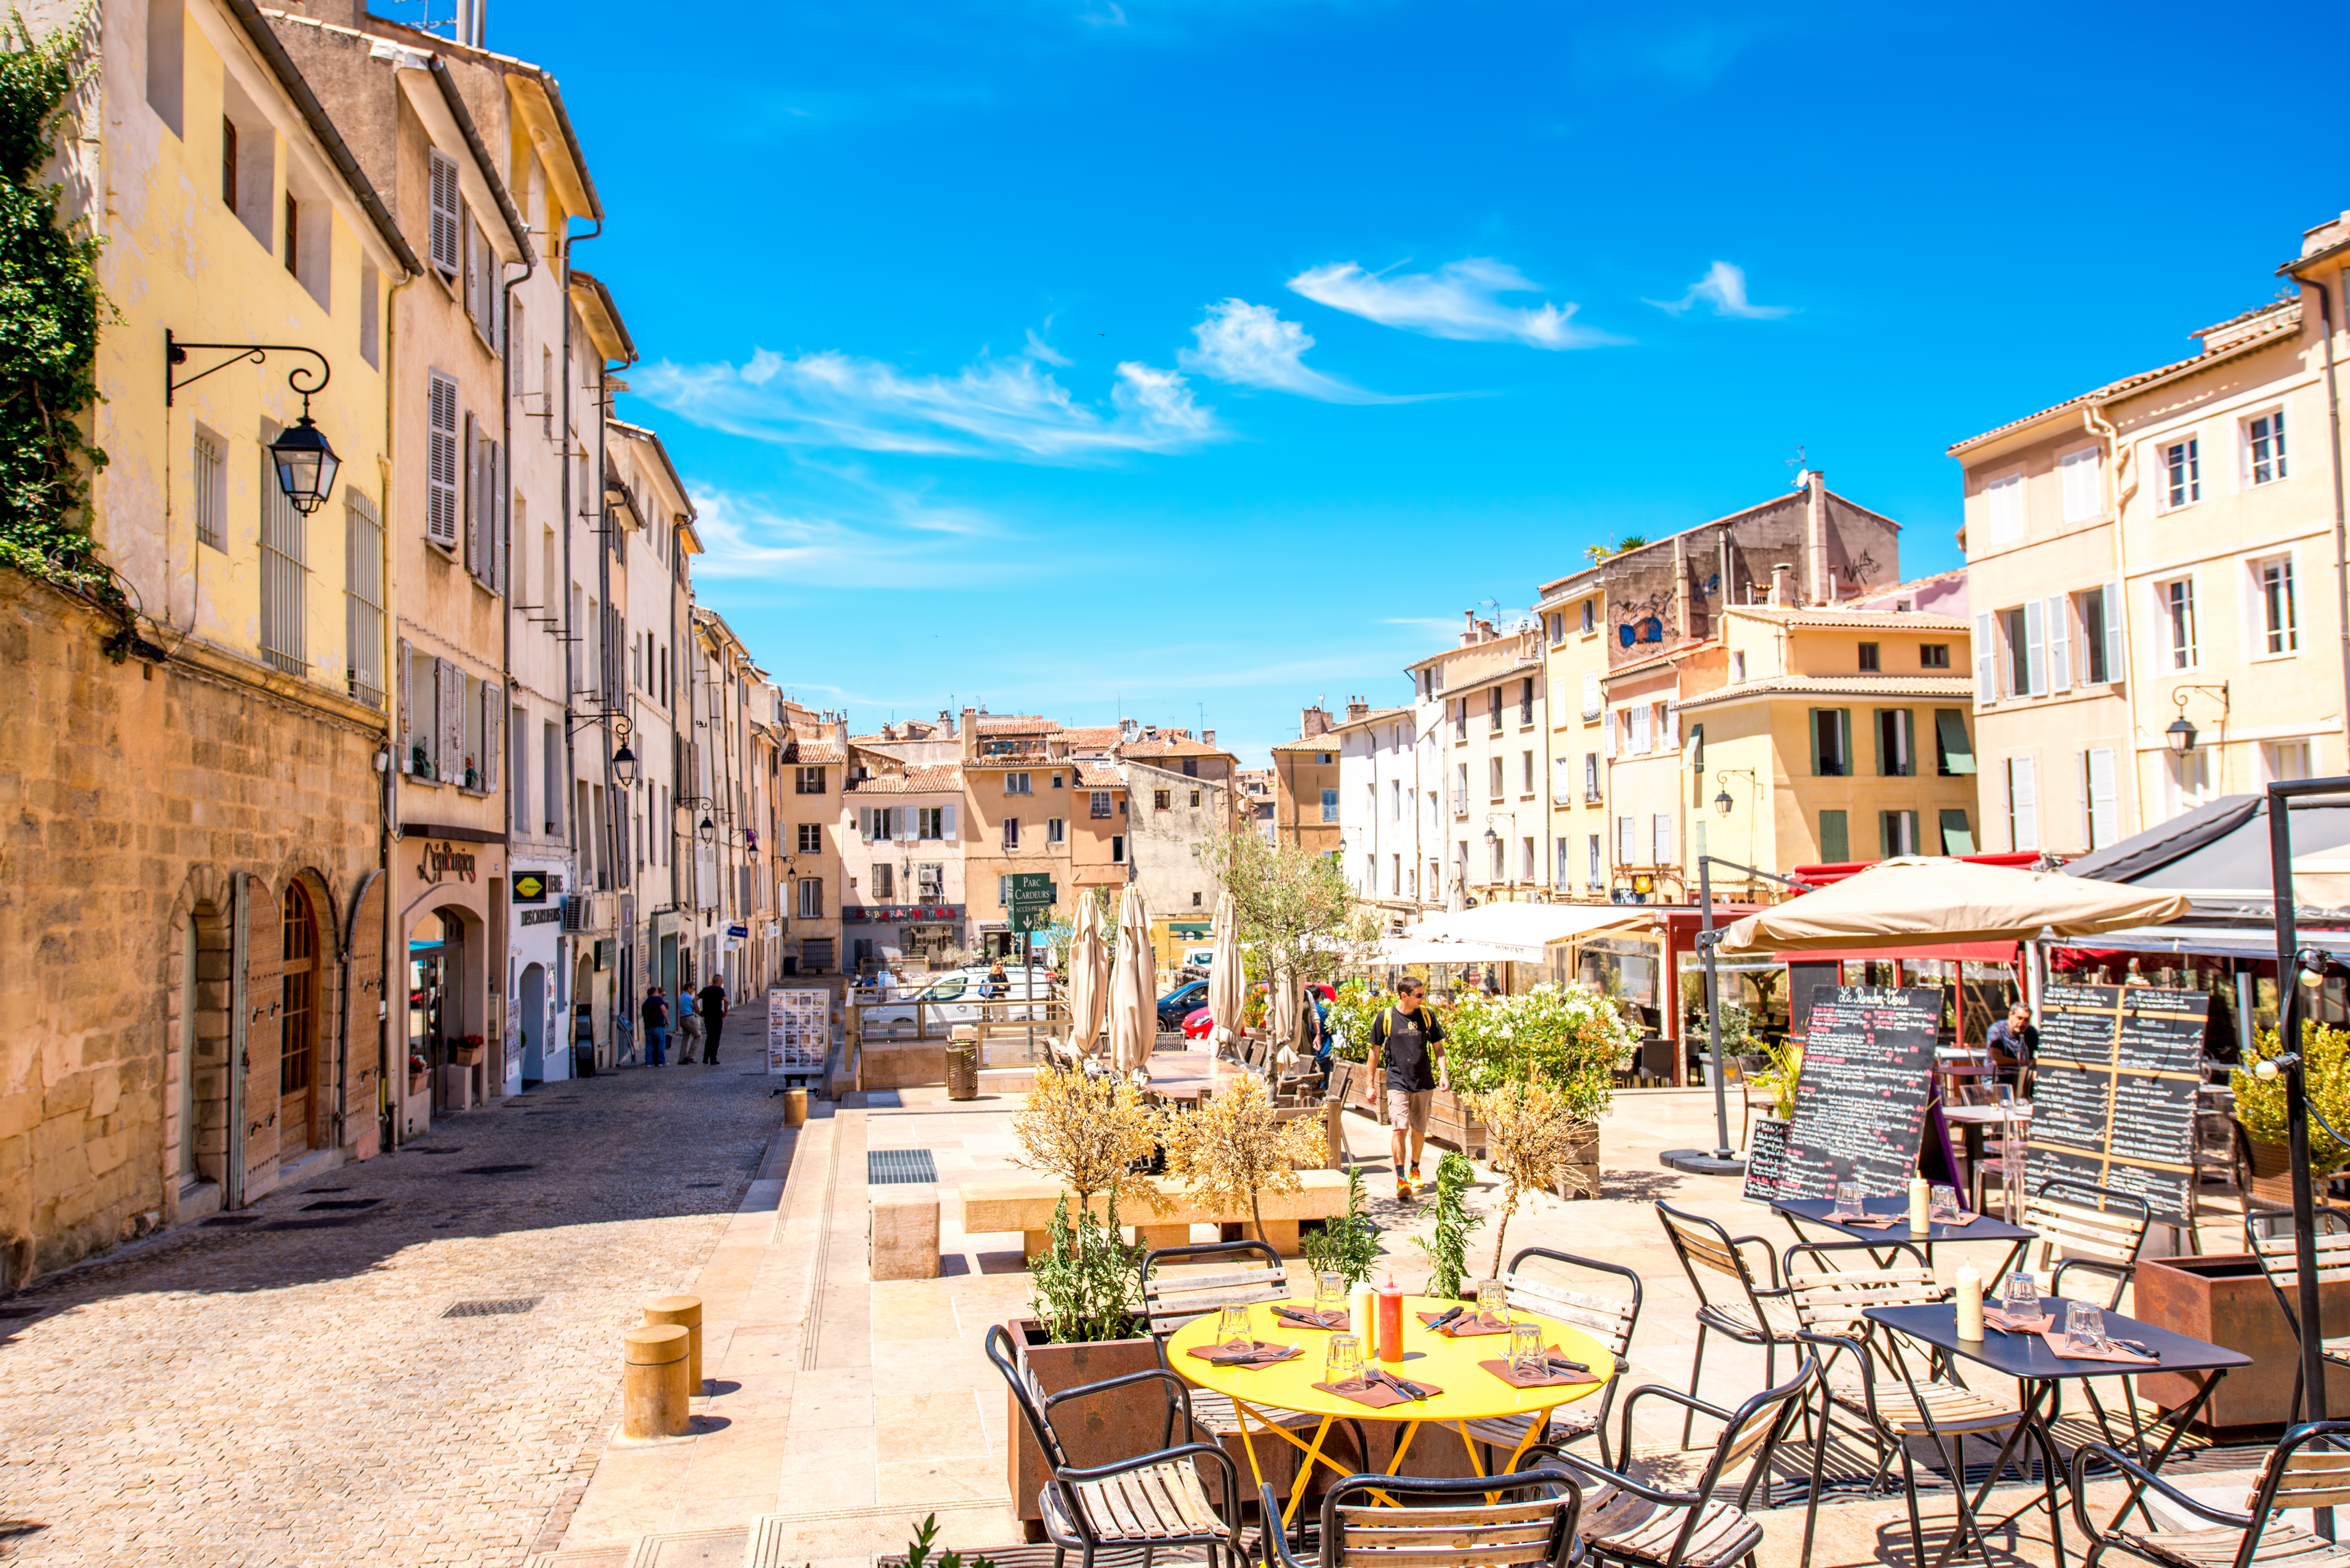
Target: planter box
(468, 1056)
(1448, 1121)
(2222, 1298)
(1582, 1178)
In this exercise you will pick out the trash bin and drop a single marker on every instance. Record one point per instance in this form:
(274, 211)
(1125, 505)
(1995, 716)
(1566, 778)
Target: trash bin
(962, 1070)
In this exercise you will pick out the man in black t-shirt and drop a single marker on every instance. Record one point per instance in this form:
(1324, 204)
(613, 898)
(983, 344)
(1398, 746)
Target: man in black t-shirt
(1408, 1042)
(713, 998)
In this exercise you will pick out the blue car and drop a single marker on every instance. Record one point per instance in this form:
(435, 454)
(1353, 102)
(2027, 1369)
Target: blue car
(1179, 1003)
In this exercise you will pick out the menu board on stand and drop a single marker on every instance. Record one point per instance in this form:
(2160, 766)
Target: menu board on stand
(2113, 1098)
(1860, 1101)
(799, 1032)
(1766, 1160)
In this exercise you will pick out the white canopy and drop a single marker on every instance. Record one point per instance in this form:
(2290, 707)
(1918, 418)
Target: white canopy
(1419, 949)
(1517, 932)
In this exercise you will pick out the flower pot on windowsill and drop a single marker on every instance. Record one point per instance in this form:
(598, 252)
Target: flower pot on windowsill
(468, 1056)
(419, 1082)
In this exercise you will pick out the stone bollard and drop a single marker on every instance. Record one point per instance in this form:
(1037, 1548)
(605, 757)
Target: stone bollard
(685, 1311)
(652, 1388)
(794, 1107)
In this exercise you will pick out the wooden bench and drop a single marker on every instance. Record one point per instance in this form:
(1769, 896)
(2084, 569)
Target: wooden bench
(1027, 1206)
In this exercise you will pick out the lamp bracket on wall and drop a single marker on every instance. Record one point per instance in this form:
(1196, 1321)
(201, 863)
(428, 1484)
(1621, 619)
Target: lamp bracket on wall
(176, 353)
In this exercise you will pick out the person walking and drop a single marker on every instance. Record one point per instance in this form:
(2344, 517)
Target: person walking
(1408, 1042)
(689, 1031)
(995, 988)
(655, 1012)
(713, 998)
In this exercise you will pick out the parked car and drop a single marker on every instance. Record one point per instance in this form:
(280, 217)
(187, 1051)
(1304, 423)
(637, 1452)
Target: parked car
(1177, 1004)
(953, 998)
(1196, 1025)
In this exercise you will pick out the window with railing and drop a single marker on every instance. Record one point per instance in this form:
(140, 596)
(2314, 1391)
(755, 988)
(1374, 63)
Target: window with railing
(363, 598)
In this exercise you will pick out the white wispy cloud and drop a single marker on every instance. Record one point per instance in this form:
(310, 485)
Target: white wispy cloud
(859, 534)
(1252, 346)
(1457, 300)
(991, 407)
(1724, 287)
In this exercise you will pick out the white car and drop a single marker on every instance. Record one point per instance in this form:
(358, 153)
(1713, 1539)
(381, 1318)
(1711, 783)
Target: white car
(953, 998)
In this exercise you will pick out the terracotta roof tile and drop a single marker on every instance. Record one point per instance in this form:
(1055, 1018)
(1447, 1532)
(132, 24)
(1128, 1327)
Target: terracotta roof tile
(1015, 724)
(1871, 620)
(1092, 734)
(1093, 775)
(1161, 747)
(814, 752)
(942, 780)
(1940, 687)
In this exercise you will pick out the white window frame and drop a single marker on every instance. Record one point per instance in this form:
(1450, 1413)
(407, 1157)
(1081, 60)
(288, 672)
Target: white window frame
(2251, 463)
(1018, 784)
(2268, 640)
(2080, 479)
(2004, 509)
(2187, 489)
(2182, 650)
(2273, 767)
(2022, 775)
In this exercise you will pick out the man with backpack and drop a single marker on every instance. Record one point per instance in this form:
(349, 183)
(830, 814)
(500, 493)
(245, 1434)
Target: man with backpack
(1408, 1042)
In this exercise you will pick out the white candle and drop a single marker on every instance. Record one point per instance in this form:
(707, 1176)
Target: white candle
(1916, 1207)
(1969, 1300)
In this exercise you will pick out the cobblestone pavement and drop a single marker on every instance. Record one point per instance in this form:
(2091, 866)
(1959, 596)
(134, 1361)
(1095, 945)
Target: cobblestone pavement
(259, 1393)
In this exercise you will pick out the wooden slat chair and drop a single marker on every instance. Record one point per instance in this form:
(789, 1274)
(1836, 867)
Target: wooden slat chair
(1527, 1518)
(2096, 1229)
(1151, 1502)
(2309, 1469)
(1545, 1283)
(1879, 1400)
(1170, 1300)
(2269, 1236)
(1637, 1526)
(1729, 1300)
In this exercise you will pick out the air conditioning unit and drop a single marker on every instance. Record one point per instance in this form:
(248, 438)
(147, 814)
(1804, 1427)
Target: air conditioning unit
(578, 912)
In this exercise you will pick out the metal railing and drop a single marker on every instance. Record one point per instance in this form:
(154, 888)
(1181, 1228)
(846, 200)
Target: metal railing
(1012, 1032)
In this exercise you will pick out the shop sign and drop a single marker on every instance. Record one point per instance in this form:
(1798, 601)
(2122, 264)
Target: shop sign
(530, 888)
(738, 932)
(545, 916)
(444, 860)
(897, 914)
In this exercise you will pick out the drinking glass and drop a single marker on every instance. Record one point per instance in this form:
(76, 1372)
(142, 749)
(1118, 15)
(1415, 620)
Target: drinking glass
(1329, 1292)
(2021, 1295)
(1233, 1327)
(1942, 1205)
(1527, 1357)
(2085, 1326)
(1847, 1200)
(1493, 1302)
(1342, 1368)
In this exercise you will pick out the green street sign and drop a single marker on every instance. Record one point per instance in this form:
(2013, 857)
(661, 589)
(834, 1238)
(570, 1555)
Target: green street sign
(1029, 886)
(1031, 916)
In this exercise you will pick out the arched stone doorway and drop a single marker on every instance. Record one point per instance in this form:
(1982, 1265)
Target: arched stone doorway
(533, 1006)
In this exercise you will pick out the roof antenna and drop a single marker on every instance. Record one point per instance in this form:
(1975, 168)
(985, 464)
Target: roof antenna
(1802, 468)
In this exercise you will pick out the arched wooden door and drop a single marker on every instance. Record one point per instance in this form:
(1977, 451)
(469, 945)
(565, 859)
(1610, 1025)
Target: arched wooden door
(298, 1055)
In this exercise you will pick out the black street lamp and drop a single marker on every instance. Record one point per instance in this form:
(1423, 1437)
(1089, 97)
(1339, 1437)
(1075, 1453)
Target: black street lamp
(708, 830)
(305, 460)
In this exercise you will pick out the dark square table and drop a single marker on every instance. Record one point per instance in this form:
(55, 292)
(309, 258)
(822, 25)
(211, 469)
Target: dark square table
(2027, 1359)
(1800, 1211)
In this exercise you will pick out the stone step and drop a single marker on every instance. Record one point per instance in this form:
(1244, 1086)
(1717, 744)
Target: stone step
(673, 1549)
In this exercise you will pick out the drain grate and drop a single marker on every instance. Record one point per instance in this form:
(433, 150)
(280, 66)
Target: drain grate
(694, 1184)
(494, 1169)
(344, 1202)
(507, 1307)
(313, 1191)
(233, 1219)
(898, 1167)
(419, 1149)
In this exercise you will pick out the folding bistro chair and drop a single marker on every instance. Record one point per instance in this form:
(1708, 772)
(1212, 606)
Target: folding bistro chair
(1637, 1526)
(1752, 1314)
(1549, 1284)
(1525, 1520)
(2309, 1469)
(2098, 1230)
(2268, 1236)
(1151, 1501)
(1879, 1400)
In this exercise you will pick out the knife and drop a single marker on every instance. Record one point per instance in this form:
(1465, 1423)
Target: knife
(2137, 1344)
(1558, 1364)
(1409, 1390)
(1442, 1318)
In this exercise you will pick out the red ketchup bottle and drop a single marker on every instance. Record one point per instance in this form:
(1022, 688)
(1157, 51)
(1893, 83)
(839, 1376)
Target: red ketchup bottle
(1390, 1321)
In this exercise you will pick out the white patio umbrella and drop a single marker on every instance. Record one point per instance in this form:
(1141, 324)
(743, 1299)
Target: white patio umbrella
(1088, 976)
(1935, 898)
(1227, 980)
(1285, 1017)
(1133, 987)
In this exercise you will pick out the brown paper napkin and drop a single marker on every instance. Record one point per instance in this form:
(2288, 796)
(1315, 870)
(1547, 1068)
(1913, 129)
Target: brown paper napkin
(1999, 1318)
(1875, 1222)
(1468, 1325)
(2059, 1345)
(1261, 1353)
(1552, 1379)
(1381, 1393)
(1961, 1222)
(1306, 1318)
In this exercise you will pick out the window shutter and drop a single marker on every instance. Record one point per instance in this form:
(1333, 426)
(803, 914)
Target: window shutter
(948, 829)
(475, 562)
(2114, 670)
(1672, 728)
(2060, 663)
(1611, 731)
(1986, 663)
(496, 516)
(1562, 780)
(407, 711)
(441, 462)
(2105, 801)
(1639, 717)
(1818, 718)
(494, 714)
(1628, 834)
(444, 213)
(2035, 648)
(471, 234)
(446, 720)
(1663, 839)
(1958, 751)
(2022, 804)
(1591, 693)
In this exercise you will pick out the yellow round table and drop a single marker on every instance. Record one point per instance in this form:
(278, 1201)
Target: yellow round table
(1471, 1393)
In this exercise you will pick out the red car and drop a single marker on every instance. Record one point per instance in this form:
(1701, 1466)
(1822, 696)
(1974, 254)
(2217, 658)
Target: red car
(1198, 1025)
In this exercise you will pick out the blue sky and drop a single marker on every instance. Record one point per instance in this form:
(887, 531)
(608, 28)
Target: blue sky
(1195, 360)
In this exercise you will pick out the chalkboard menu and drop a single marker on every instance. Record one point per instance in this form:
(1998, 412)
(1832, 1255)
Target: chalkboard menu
(1860, 1104)
(2113, 1098)
(1766, 1160)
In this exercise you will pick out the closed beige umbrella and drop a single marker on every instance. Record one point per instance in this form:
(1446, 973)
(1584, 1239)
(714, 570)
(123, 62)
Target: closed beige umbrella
(1133, 987)
(1227, 979)
(1919, 898)
(1088, 976)
(1283, 1016)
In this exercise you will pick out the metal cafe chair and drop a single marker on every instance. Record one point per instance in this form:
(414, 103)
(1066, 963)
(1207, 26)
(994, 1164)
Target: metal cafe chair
(1151, 1501)
(1526, 1519)
(1638, 1525)
(2309, 1469)
(1545, 1283)
(1729, 1302)
(2268, 1236)
(1881, 1401)
(2098, 1230)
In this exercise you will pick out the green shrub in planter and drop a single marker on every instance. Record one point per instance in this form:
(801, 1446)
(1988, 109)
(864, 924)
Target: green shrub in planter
(2326, 1068)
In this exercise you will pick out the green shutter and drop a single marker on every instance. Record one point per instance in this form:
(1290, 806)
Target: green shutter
(1816, 741)
(1835, 842)
(1958, 838)
(1950, 734)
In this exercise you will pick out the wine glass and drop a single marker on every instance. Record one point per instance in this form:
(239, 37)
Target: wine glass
(1493, 1302)
(1329, 1294)
(1527, 1357)
(1343, 1367)
(1232, 1327)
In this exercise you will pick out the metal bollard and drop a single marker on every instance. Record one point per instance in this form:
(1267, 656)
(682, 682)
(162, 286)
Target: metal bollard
(685, 1313)
(794, 1107)
(652, 1385)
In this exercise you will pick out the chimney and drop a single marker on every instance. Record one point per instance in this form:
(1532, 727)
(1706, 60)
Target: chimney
(1469, 634)
(1357, 708)
(1782, 591)
(1313, 722)
(1208, 737)
(970, 733)
(1815, 537)
(1485, 632)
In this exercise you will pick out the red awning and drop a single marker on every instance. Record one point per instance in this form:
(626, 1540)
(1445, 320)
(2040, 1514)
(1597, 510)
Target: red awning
(1969, 952)
(1836, 871)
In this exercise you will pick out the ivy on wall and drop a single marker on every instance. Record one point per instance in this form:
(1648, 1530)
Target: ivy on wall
(51, 308)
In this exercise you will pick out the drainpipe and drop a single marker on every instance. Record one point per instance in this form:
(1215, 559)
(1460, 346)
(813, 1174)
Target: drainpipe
(566, 948)
(506, 620)
(389, 1106)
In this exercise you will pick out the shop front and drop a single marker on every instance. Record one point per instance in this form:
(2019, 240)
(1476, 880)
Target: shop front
(449, 892)
(902, 935)
(534, 979)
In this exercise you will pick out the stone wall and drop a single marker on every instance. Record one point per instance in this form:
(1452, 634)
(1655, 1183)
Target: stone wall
(133, 796)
